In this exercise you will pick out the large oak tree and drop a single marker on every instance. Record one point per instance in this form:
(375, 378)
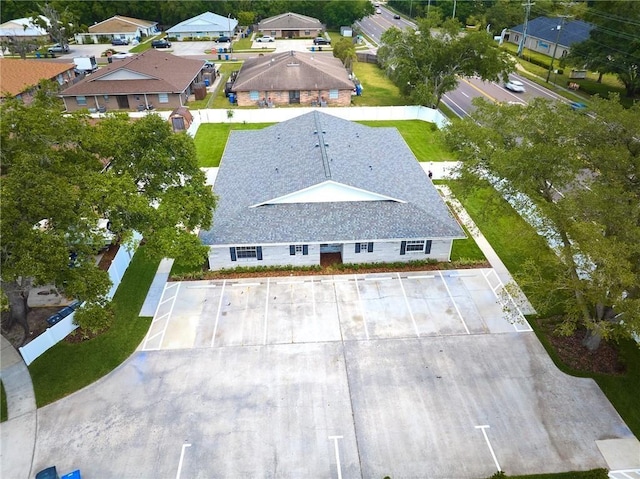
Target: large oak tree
(582, 173)
(71, 172)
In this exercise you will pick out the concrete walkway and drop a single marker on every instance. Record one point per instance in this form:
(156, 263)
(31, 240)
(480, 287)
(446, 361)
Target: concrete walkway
(18, 433)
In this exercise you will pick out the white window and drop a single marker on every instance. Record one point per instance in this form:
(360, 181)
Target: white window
(333, 94)
(254, 95)
(82, 100)
(415, 246)
(163, 98)
(247, 252)
(364, 247)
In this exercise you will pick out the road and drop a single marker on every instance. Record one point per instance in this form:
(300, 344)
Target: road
(460, 99)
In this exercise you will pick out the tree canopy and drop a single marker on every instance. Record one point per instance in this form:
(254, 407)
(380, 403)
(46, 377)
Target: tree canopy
(425, 64)
(582, 173)
(62, 174)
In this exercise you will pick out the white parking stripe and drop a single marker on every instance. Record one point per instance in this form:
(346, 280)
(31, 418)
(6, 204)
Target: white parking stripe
(266, 315)
(184, 446)
(381, 278)
(335, 443)
(215, 328)
(486, 438)
(454, 303)
(167, 315)
(364, 321)
(528, 329)
(406, 301)
(428, 276)
(246, 284)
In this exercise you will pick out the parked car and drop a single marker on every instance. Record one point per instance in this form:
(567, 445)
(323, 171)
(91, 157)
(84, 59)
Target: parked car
(265, 38)
(378, 10)
(119, 41)
(321, 41)
(57, 48)
(396, 17)
(161, 43)
(223, 40)
(121, 55)
(515, 86)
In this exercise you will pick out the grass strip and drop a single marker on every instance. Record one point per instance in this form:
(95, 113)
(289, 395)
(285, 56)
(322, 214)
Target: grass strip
(68, 367)
(3, 403)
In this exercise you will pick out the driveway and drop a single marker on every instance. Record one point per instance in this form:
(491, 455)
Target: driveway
(359, 376)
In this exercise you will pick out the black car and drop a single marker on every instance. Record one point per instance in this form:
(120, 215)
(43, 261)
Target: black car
(321, 41)
(223, 40)
(161, 43)
(119, 41)
(396, 17)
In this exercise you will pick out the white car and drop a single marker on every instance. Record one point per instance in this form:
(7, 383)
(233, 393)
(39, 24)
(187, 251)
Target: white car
(515, 86)
(378, 10)
(121, 55)
(265, 38)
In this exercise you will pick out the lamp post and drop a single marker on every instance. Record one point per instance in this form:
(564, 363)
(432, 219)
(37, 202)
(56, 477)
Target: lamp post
(230, 35)
(555, 48)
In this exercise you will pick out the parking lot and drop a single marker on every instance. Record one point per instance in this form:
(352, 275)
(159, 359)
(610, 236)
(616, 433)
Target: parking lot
(355, 376)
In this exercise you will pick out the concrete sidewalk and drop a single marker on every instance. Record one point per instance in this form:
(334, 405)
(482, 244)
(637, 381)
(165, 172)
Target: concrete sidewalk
(18, 433)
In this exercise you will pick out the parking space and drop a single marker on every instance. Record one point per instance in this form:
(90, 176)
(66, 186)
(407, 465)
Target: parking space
(329, 308)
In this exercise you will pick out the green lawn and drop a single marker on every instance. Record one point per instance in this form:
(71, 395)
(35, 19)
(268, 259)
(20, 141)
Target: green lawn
(3, 403)
(378, 90)
(423, 138)
(68, 367)
(212, 138)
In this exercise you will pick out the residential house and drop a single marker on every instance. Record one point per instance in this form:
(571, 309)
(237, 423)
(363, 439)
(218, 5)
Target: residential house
(153, 79)
(291, 25)
(550, 35)
(23, 29)
(118, 27)
(317, 186)
(206, 25)
(293, 78)
(20, 78)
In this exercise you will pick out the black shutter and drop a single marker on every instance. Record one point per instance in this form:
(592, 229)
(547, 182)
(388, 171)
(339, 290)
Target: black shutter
(292, 250)
(370, 247)
(357, 247)
(259, 253)
(305, 249)
(232, 250)
(427, 248)
(403, 247)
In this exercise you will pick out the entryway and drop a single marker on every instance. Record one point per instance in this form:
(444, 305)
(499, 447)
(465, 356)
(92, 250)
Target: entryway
(330, 253)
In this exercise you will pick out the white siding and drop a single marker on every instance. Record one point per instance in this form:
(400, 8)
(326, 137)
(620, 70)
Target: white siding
(279, 255)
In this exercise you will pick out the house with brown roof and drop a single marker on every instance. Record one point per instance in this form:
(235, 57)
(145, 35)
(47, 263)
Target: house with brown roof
(291, 25)
(118, 27)
(290, 78)
(20, 78)
(152, 79)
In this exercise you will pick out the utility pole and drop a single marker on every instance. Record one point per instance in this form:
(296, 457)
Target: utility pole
(454, 9)
(527, 12)
(555, 48)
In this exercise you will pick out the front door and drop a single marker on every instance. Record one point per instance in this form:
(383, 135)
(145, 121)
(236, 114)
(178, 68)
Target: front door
(330, 253)
(123, 102)
(294, 97)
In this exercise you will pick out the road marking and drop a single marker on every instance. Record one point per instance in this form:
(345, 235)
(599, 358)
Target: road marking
(246, 284)
(454, 303)
(204, 286)
(467, 96)
(448, 98)
(335, 444)
(289, 282)
(166, 315)
(184, 446)
(513, 301)
(486, 438)
(406, 300)
(429, 276)
(215, 328)
(482, 92)
(381, 278)
(364, 321)
(266, 315)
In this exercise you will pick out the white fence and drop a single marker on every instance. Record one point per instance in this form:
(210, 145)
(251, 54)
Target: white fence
(277, 115)
(60, 330)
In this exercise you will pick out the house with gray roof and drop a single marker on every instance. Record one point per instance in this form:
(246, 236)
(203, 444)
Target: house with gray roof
(318, 185)
(292, 78)
(544, 32)
(152, 79)
(291, 25)
(206, 25)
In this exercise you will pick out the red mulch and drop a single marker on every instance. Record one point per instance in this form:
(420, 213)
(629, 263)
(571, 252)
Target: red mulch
(604, 360)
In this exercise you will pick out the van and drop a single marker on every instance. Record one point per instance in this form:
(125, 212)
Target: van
(161, 43)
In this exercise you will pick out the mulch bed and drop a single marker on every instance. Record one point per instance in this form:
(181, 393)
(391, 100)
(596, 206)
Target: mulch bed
(570, 350)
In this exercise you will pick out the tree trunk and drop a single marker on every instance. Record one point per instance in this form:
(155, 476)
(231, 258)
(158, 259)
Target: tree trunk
(592, 339)
(600, 74)
(17, 295)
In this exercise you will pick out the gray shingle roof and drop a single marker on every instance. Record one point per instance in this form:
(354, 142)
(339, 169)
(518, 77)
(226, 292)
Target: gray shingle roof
(289, 21)
(293, 71)
(545, 28)
(261, 165)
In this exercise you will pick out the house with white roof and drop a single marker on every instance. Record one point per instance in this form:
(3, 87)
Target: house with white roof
(118, 27)
(209, 25)
(318, 185)
(23, 29)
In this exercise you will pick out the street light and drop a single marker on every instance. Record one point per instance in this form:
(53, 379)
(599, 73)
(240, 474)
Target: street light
(230, 36)
(555, 48)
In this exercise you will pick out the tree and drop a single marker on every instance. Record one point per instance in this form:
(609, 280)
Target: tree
(246, 18)
(345, 50)
(426, 64)
(19, 46)
(54, 170)
(60, 26)
(613, 45)
(340, 12)
(581, 172)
